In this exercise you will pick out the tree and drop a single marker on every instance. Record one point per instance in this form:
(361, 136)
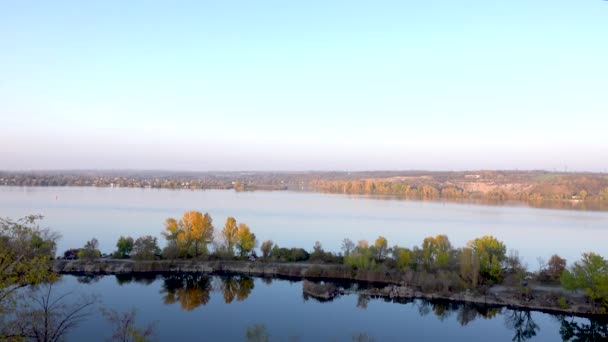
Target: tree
(347, 246)
(555, 267)
(245, 240)
(361, 257)
(469, 266)
(47, 317)
(404, 257)
(124, 247)
(491, 254)
(145, 248)
(381, 247)
(436, 251)
(591, 275)
(191, 234)
(266, 248)
(229, 234)
(25, 253)
(90, 250)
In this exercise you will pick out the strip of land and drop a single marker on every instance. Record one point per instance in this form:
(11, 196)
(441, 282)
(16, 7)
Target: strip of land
(393, 284)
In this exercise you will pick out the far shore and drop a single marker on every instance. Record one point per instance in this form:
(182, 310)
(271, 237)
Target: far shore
(388, 285)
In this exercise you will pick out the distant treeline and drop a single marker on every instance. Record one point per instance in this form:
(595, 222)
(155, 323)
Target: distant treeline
(486, 185)
(496, 186)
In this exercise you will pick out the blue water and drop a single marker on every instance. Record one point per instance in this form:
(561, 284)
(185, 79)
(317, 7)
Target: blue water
(199, 309)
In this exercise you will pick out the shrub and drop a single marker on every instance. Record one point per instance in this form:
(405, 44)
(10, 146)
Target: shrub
(90, 250)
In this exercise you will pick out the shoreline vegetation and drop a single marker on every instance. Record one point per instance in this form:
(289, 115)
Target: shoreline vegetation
(545, 189)
(480, 272)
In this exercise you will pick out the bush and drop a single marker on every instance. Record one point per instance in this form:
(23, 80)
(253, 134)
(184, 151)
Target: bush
(90, 250)
(71, 254)
(289, 254)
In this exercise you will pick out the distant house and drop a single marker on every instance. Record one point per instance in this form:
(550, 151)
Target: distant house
(472, 176)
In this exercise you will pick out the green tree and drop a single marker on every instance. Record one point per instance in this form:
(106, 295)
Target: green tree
(491, 254)
(590, 274)
(436, 251)
(361, 257)
(124, 246)
(25, 253)
(404, 258)
(145, 248)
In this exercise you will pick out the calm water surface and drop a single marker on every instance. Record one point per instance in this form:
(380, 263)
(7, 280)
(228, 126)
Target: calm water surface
(300, 219)
(198, 307)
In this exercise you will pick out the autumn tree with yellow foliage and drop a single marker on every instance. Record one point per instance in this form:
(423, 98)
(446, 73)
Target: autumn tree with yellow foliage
(191, 234)
(245, 239)
(229, 234)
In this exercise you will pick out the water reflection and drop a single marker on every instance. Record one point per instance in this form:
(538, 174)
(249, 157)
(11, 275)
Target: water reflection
(238, 287)
(192, 291)
(571, 330)
(189, 290)
(140, 278)
(522, 324)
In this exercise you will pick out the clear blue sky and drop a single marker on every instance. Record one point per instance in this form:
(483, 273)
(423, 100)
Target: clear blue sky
(291, 85)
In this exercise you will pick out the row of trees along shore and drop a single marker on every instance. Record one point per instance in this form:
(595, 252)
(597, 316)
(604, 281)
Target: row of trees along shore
(26, 252)
(436, 265)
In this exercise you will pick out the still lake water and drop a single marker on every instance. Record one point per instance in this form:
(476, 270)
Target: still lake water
(299, 218)
(200, 307)
(195, 307)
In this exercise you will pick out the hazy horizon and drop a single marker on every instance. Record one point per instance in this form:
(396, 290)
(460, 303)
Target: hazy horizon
(266, 86)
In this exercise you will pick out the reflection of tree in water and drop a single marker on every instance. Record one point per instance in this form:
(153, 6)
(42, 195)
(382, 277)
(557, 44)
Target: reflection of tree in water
(468, 312)
(362, 301)
(88, 279)
(362, 337)
(141, 278)
(570, 330)
(257, 333)
(190, 290)
(522, 323)
(238, 287)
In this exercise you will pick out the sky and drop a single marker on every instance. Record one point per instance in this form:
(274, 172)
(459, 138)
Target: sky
(304, 85)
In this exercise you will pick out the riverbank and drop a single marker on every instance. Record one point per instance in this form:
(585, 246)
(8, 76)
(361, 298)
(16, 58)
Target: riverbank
(391, 285)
